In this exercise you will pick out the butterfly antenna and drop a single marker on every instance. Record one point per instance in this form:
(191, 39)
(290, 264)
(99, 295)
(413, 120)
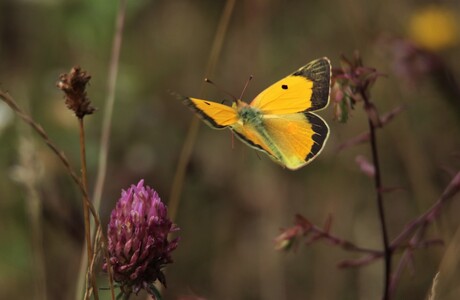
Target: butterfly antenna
(245, 86)
(220, 89)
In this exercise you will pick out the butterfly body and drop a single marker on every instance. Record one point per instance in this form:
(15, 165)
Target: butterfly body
(250, 115)
(280, 120)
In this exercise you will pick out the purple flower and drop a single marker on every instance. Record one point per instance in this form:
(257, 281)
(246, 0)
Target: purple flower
(138, 239)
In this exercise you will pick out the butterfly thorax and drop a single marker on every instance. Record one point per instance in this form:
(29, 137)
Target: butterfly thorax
(250, 115)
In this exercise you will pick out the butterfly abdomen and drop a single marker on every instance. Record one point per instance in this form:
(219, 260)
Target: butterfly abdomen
(254, 133)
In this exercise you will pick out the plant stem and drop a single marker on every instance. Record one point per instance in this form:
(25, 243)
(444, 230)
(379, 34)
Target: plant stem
(85, 200)
(186, 152)
(34, 206)
(105, 137)
(109, 103)
(4, 96)
(85, 186)
(418, 226)
(378, 188)
(413, 230)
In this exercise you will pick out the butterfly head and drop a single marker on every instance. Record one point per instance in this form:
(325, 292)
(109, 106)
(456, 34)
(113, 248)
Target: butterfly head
(238, 104)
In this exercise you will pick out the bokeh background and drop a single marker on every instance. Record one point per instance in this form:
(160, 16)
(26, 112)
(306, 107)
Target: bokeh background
(234, 202)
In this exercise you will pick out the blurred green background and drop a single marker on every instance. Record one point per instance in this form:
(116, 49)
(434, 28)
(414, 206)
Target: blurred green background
(234, 202)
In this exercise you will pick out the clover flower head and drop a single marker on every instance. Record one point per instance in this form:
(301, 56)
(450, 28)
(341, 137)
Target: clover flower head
(138, 239)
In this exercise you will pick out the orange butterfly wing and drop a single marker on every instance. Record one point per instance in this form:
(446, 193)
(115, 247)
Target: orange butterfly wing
(216, 115)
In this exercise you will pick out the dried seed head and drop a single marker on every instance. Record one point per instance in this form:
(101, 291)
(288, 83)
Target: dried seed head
(73, 84)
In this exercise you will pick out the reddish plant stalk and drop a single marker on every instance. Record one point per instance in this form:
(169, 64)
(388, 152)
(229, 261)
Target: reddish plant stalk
(387, 250)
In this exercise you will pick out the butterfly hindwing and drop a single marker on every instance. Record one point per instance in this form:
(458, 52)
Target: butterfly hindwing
(251, 137)
(292, 140)
(307, 89)
(296, 138)
(216, 115)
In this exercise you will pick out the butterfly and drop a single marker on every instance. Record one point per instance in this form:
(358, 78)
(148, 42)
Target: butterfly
(280, 121)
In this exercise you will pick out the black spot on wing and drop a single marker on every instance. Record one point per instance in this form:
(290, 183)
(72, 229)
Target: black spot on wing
(284, 87)
(319, 137)
(318, 71)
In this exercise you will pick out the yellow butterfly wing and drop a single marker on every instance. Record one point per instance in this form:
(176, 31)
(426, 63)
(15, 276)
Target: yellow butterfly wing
(298, 138)
(292, 140)
(307, 89)
(214, 114)
(287, 130)
(250, 135)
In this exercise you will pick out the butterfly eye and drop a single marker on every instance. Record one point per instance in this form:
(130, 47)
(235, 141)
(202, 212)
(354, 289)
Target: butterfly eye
(284, 87)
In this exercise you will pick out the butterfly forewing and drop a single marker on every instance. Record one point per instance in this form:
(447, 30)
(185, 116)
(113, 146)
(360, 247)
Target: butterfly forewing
(214, 114)
(319, 72)
(306, 89)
